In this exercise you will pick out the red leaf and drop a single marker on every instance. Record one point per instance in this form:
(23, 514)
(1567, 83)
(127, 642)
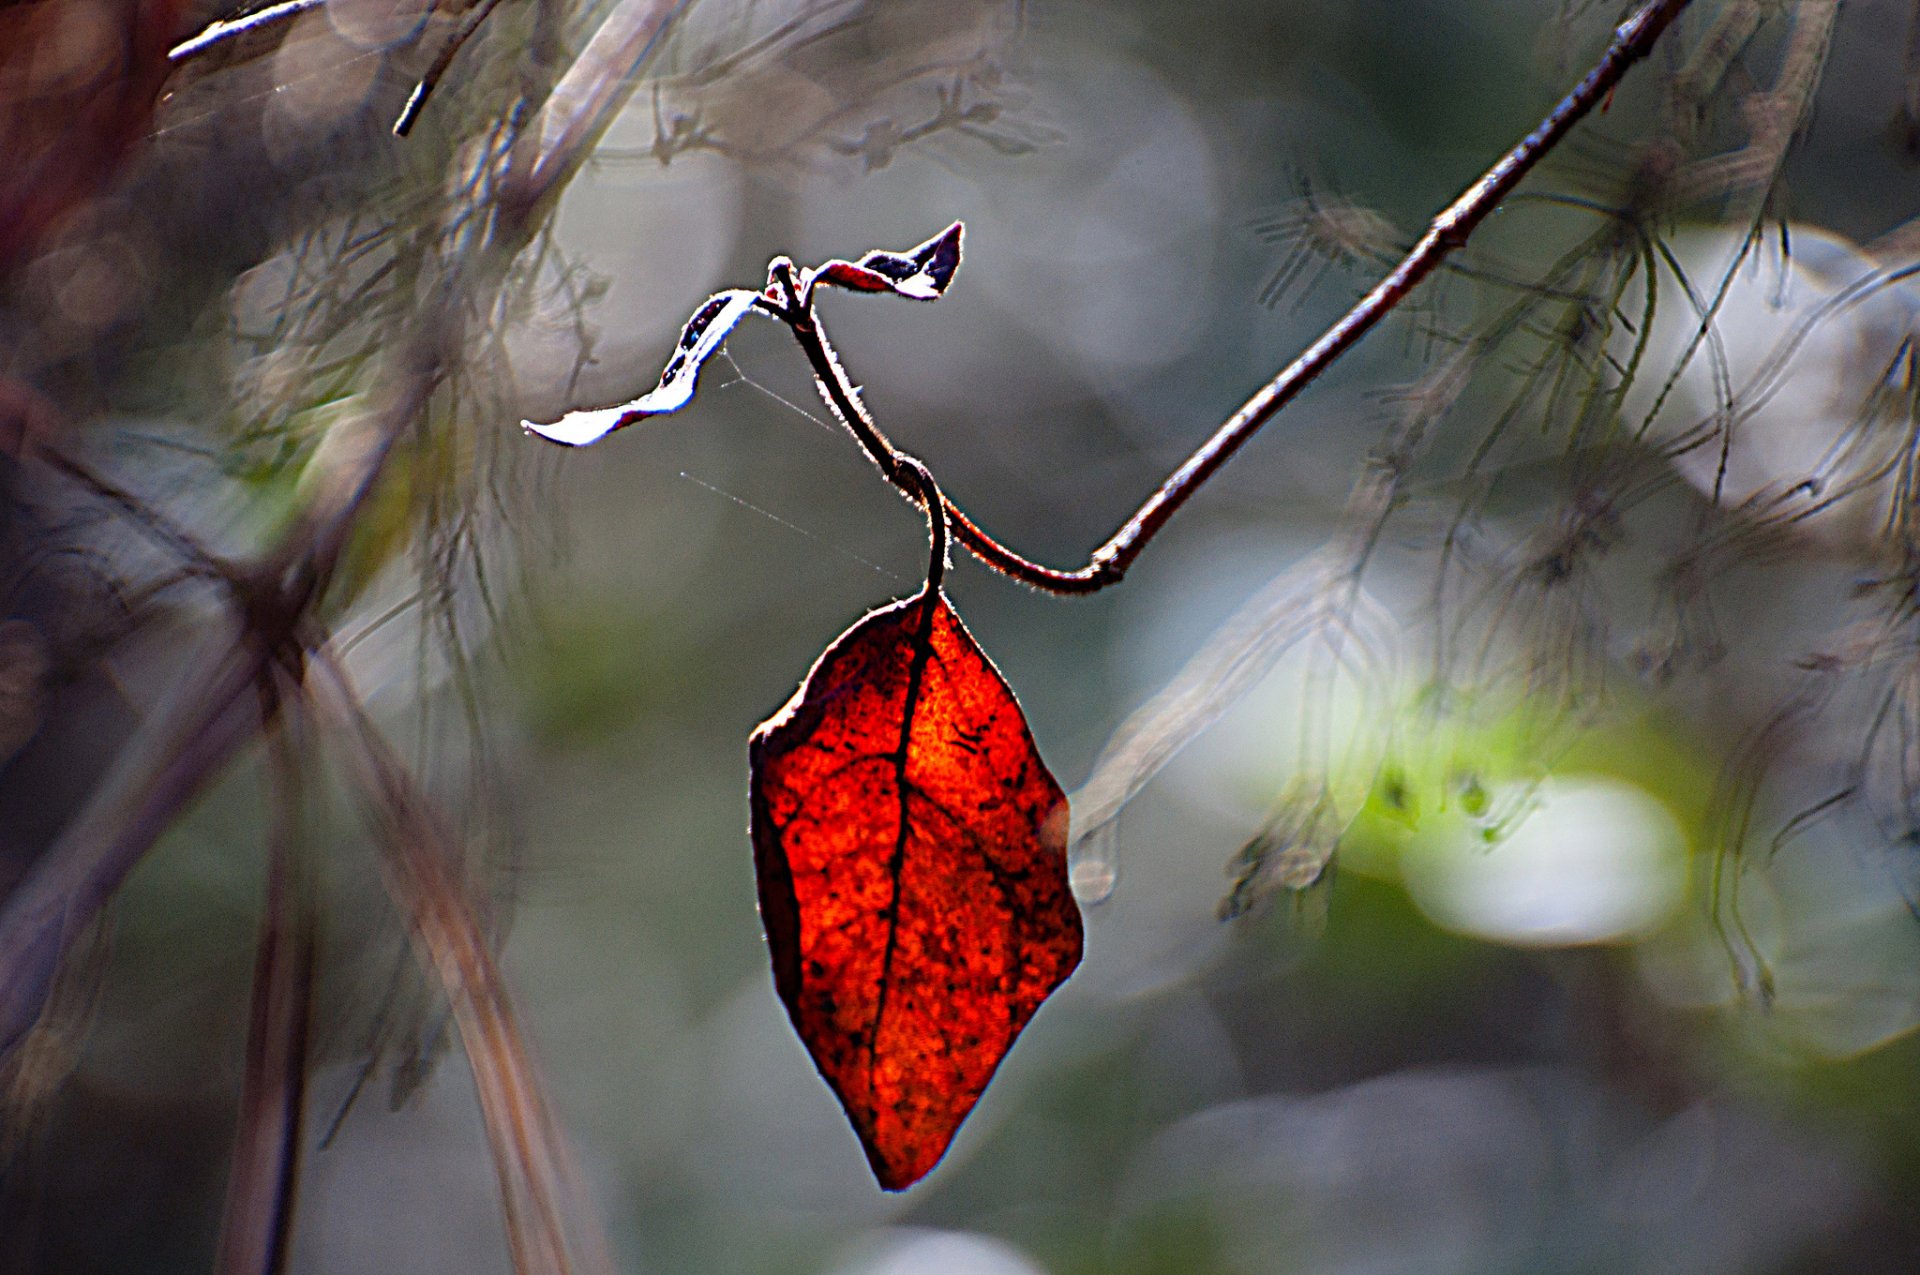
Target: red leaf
(910, 847)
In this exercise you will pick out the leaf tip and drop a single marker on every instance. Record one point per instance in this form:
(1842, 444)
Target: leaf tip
(577, 429)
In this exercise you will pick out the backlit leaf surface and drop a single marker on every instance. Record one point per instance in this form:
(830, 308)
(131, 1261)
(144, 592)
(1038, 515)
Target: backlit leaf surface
(910, 850)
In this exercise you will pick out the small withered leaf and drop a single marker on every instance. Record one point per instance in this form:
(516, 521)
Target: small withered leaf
(921, 273)
(910, 849)
(709, 326)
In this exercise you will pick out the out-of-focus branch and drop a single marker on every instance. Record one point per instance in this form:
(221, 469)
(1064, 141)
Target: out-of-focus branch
(1775, 115)
(421, 860)
(203, 728)
(261, 1185)
(193, 737)
(583, 104)
(165, 767)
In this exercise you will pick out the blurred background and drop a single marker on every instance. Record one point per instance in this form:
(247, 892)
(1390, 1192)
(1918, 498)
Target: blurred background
(1535, 692)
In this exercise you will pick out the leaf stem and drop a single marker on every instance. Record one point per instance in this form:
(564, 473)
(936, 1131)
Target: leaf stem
(905, 471)
(935, 503)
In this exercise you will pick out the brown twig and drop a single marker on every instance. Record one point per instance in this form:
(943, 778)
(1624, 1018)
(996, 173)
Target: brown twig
(1632, 41)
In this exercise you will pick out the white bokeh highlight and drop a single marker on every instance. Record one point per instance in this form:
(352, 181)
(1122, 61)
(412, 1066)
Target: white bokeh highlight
(1592, 860)
(913, 1251)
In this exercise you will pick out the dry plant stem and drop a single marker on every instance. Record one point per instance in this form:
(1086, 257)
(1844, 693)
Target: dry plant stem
(257, 1222)
(202, 729)
(421, 860)
(166, 767)
(1775, 115)
(219, 33)
(417, 100)
(584, 103)
(1632, 41)
(193, 737)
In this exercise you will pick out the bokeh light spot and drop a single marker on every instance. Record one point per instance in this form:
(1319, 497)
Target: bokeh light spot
(1592, 860)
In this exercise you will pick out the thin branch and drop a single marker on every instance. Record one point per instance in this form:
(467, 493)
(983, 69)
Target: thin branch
(1632, 41)
(417, 100)
(194, 556)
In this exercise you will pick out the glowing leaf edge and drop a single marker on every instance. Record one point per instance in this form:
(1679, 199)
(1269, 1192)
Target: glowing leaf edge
(710, 325)
(921, 273)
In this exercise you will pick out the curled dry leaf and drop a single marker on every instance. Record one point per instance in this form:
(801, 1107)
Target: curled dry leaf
(703, 334)
(910, 849)
(920, 273)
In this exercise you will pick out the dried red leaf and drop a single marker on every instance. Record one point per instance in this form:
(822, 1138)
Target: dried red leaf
(910, 847)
